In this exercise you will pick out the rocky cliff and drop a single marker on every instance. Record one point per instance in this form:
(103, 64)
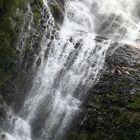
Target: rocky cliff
(21, 30)
(111, 110)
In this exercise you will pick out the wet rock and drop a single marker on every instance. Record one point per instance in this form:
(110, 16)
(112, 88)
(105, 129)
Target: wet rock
(112, 106)
(3, 136)
(38, 62)
(57, 9)
(3, 108)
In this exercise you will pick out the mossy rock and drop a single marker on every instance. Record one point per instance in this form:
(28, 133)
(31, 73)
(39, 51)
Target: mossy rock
(84, 136)
(135, 102)
(9, 56)
(57, 12)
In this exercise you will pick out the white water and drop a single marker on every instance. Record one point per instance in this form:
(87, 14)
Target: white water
(25, 29)
(123, 19)
(74, 63)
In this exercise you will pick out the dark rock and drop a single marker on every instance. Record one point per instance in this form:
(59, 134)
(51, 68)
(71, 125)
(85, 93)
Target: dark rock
(57, 9)
(3, 108)
(3, 136)
(111, 109)
(38, 62)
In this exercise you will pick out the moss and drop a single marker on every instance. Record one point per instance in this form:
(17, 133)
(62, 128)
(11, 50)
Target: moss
(40, 3)
(4, 77)
(128, 131)
(9, 32)
(36, 14)
(14, 66)
(56, 12)
(113, 107)
(129, 117)
(37, 6)
(7, 54)
(84, 136)
(135, 102)
(111, 116)
(28, 45)
(9, 16)
(72, 135)
(9, 8)
(136, 66)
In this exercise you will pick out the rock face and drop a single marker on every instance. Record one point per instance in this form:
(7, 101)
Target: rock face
(22, 27)
(112, 108)
(3, 109)
(57, 10)
(5, 117)
(21, 30)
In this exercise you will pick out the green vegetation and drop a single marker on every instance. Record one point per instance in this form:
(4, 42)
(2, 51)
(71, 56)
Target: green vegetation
(14, 66)
(113, 110)
(135, 102)
(8, 9)
(110, 119)
(8, 52)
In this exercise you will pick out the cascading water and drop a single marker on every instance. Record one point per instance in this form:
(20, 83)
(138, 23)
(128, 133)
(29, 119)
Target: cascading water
(72, 63)
(119, 19)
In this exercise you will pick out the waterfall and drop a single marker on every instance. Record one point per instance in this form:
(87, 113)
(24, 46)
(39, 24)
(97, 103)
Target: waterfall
(72, 63)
